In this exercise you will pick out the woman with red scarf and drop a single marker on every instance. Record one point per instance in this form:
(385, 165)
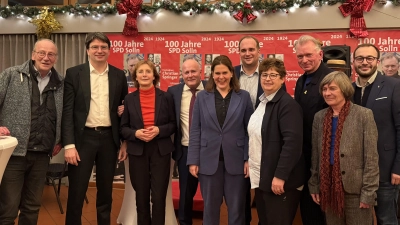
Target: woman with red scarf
(344, 171)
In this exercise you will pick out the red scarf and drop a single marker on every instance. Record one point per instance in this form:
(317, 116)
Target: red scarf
(331, 187)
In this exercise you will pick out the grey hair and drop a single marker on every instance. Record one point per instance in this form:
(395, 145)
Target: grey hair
(390, 55)
(307, 38)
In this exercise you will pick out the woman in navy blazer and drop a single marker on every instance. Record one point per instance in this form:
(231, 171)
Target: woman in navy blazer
(218, 143)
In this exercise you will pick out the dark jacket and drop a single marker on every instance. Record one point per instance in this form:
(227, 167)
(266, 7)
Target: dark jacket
(311, 102)
(77, 102)
(282, 139)
(164, 119)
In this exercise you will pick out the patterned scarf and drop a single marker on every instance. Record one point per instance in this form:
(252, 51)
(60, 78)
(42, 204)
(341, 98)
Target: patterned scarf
(331, 187)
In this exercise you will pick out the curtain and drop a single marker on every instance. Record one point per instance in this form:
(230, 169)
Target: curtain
(17, 48)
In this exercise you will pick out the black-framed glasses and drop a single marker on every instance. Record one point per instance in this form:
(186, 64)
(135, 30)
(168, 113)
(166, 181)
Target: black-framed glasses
(271, 76)
(369, 59)
(43, 54)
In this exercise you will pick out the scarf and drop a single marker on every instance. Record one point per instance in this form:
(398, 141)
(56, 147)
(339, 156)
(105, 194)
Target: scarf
(331, 187)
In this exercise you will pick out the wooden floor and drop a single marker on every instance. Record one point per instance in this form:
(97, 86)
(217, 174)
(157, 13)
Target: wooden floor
(50, 213)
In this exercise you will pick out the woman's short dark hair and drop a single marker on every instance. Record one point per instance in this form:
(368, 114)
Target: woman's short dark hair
(153, 68)
(99, 36)
(272, 63)
(223, 60)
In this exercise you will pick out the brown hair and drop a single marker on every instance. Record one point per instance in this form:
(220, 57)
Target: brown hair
(272, 63)
(153, 68)
(223, 60)
(341, 80)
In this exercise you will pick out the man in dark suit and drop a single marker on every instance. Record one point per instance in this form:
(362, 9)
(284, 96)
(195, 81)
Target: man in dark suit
(381, 94)
(90, 127)
(309, 57)
(182, 95)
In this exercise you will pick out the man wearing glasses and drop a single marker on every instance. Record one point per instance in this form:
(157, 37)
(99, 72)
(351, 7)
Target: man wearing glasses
(381, 94)
(90, 127)
(31, 97)
(309, 57)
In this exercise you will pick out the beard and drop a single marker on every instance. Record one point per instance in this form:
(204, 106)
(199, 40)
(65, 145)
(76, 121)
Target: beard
(366, 74)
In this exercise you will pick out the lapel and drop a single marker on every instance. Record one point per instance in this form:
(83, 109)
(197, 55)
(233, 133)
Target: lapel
(158, 104)
(84, 76)
(233, 104)
(270, 106)
(210, 103)
(112, 85)
(178, 103)
(136, 104)
(377, 86)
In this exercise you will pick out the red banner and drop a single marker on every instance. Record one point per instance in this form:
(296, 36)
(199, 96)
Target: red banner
(168, 50)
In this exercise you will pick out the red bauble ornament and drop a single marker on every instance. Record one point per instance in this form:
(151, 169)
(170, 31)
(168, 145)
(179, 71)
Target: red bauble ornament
(191, 13)
(274, 11)
(262, 11)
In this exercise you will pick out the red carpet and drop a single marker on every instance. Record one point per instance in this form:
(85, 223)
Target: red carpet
(198, 203)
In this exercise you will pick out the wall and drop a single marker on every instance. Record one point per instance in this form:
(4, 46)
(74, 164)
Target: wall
(307, 18)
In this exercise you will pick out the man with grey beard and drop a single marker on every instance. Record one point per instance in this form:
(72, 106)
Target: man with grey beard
(381, 94)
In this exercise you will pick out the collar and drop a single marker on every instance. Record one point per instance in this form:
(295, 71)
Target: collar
(370, 80)
(199, 88)
(92, 69)
(249, 75)
(263, 97)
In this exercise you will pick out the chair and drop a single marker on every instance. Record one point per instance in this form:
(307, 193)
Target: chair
(57, 171)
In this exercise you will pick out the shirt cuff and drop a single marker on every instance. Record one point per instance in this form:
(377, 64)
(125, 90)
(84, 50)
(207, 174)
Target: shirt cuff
(69, 146)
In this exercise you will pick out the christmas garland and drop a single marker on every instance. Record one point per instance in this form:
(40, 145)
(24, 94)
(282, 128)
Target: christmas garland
(192, 7)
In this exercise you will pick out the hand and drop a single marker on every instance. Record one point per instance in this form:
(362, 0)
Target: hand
(122, 155)
(277, 186)
(56, 149)
(194, 170)
(121, 109)
(4, 131)
(72, 156)
(364, 205)
(246, 169)
(395, 179)
(142, 135)
(153, 131)
(315, 197)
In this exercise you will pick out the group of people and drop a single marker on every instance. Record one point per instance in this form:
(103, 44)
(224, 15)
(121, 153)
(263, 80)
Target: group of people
(334, 149)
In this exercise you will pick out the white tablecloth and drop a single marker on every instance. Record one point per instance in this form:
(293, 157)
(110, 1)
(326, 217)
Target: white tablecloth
(7, 146)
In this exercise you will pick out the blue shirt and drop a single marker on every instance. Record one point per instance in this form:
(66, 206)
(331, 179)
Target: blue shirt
(333, 137)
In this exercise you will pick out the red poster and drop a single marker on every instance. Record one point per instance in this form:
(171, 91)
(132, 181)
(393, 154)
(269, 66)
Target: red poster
(169, 50)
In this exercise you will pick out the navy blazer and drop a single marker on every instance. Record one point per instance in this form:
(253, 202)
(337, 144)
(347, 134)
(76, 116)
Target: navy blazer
(260, 91)
(384, 101)
(176, 92)
(282, 141)
(206, 135)
(77, 102)
(164, 119)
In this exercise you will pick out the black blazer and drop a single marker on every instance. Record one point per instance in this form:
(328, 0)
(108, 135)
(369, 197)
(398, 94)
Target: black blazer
(176, 92)
(77, 102)
(384, 101)
(132, 120)
(311, 102)
(260, 91)
(282, 139)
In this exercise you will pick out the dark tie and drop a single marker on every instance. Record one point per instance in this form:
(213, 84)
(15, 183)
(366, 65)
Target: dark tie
(191, 105)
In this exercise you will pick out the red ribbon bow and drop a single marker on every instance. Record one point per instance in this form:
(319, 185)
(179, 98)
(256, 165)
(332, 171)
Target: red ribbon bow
(131, 8)
(355, 8)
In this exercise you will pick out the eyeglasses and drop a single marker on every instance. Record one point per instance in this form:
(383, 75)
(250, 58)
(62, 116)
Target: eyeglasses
(271, 76)
(369, 59)
(43, 54)
(102, 47)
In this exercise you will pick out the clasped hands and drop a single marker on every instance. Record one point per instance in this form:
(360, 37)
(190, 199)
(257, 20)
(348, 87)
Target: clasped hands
(147, 134)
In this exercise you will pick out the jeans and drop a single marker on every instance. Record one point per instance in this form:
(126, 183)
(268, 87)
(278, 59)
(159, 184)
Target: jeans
(22, 188)
(386, 209)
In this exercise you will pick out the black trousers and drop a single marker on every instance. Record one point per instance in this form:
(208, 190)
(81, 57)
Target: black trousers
(98, 147)
(277, 209)
(311, 213)
(149, 175)
(188, 187)
(22, 187)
